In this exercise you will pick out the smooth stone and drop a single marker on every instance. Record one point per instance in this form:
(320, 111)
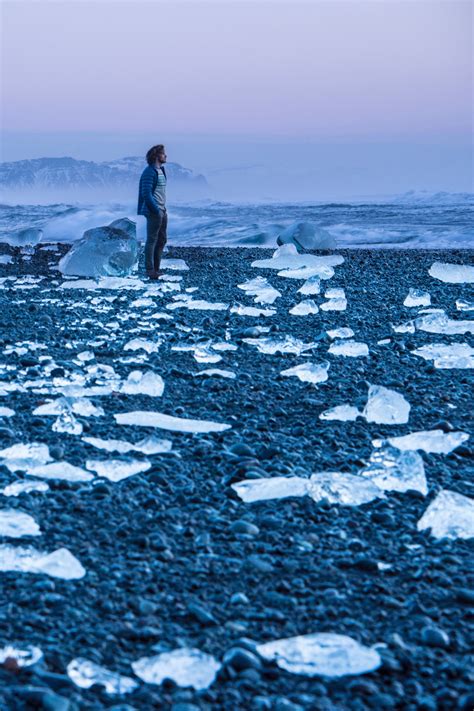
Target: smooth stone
(245, 527)
(241, 659)
(434, 637)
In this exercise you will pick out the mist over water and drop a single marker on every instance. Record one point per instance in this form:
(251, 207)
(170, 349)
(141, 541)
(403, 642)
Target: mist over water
(441, 220)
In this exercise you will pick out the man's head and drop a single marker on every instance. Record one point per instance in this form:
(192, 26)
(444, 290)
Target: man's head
(156, 153)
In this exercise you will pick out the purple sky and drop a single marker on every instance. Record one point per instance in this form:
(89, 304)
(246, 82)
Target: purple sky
(332, 72)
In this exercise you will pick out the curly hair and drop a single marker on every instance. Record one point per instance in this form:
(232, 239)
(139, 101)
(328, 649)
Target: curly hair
(152, 154)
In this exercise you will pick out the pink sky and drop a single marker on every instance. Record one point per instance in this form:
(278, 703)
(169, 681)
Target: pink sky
(310, 69)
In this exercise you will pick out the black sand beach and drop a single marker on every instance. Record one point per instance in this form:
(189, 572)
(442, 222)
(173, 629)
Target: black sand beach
(174, 557)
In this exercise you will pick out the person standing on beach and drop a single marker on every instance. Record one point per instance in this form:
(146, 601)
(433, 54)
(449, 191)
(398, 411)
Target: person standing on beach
(152, 204)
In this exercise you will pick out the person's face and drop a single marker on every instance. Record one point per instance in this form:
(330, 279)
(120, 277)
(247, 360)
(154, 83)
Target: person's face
(162, 157)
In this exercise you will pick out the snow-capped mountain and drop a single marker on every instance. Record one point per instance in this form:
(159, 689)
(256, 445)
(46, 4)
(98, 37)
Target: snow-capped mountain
(68, 175)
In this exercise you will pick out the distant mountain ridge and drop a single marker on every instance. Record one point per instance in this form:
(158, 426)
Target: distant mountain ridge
(67, 172)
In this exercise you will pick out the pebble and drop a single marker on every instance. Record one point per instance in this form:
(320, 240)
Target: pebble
(434, 637)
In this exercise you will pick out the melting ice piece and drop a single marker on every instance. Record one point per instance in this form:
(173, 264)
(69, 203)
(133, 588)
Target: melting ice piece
(23, 657)
(321, 654)
(147, 445)
(59, 564)
(386, 406)
(311, 286)
(304, 308)
(343, 332)
(454, 355)
(146, 418)
(142, 344)
(345, 489)
(216, 371)
(335, 293)
(293, 260)
(259, 287)
(197, 304)
(186, 667)
(417, 297)
(352, 349)
(59, 470)
(20, 457)
(334, 305)
(139, 383)
(6, 412)
(16, 524)
(433, 441)
(276, 487)
(66, 422)
(251, 311)
(393, 470)
(102, 251)
(85, 674)
(309, 372)
(322, 271)
(174, 264)
(23, 487)
(450, 515)
(115, 469)
(438, 322)
(452, 273)
(287, 344)
(464, 305)
(344, 413)
(78, 405)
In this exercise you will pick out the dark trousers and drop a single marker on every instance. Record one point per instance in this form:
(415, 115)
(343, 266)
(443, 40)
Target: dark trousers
(155, 240)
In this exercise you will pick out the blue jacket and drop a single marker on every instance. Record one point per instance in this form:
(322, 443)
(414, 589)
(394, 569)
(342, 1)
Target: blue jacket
(147, 204)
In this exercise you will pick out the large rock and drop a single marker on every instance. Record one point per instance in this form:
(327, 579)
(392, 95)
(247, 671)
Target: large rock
(305, 235)
(103, 251)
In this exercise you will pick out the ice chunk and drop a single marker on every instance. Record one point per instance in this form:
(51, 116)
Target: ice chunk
(343, 332)
(116, 469)
(259, 287)
(282, 260)
(464, 305)
(285, 344)
(393, 470)
(77, 405)
(20, 457)
(26, 657)
(59, 470)
(66, 422)
(339, 304)
(276, 487)
(59, 564)
(322, 271)
(174, 265)
(452, 273)
(85, 674)
(321, 654)
(251, 311)
(438, 322)
(311, 286)
(433, 441)
(309, 372)
(304, 308)
(352, 349)
(147, 445)
(335, 293)
(143, 383)
(386, 406)
(417, 297)
(16, 524)
(345, 489)
(216, 371)
(102, 251)
(23, 487)
(6, 412)
(137, 344)
(454, 355)
(187, 302)
(146, 418)
(24, 238)
(306, 235)
(344, 413)
(450, 515)
(186, 667)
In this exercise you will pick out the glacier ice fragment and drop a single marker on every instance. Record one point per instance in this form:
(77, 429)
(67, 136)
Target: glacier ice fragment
(276, 487)
(417, 297)
(259, 287)
(102, 251)
(450, 515)
(116, 469)
(85, 674)
(16, 524)
(349, 348)
(59, 564)
(433, 441)
(386, 406)
(393, 470)
(146, 418)
(452, 273)
(309, 372)
(185, 666)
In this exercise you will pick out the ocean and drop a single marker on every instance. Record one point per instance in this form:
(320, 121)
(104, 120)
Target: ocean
(437, 221)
